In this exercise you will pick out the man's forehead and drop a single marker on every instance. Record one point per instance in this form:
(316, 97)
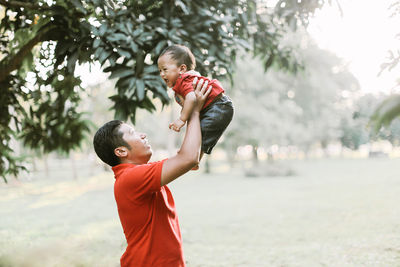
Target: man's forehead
(126, 127)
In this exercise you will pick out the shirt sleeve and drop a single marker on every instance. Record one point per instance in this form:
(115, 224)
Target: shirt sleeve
(186, 86)
(143, 179)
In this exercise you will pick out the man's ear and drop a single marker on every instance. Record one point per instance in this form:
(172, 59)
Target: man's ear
(121, 151)
(182, 68)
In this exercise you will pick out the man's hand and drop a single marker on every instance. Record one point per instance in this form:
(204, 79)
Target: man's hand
(177, 125)
(188, 156)
(201, 91)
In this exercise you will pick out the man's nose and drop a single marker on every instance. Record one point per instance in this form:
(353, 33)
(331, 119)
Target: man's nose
(143, 135)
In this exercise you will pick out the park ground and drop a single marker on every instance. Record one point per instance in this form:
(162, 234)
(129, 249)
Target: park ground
(332, 212)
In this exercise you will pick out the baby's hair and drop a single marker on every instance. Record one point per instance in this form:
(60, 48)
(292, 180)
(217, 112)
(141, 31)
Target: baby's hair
(181, 54)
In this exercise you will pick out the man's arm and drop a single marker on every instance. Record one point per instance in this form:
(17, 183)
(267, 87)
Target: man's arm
(188, 155)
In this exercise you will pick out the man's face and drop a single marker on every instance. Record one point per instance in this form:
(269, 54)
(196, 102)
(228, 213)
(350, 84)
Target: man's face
(169, 69)
(140, 151)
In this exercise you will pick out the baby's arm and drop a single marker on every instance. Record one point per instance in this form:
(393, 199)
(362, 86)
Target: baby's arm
(187, 109)
(188, 106)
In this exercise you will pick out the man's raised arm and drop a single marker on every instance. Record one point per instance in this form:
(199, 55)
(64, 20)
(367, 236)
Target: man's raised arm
(188, 155)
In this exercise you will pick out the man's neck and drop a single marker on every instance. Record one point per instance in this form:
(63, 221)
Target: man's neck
(135, 161)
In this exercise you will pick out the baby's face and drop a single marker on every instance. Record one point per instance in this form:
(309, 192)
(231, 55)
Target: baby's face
(169, 69)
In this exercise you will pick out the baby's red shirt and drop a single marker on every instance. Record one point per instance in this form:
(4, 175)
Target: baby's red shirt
(184, 85)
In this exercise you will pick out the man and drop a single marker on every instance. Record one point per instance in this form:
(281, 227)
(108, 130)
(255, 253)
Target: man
(146, 207)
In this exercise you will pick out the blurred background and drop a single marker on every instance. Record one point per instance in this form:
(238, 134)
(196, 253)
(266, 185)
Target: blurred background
(305, 175)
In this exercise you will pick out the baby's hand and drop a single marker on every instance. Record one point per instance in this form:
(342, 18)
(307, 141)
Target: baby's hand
(177, 125)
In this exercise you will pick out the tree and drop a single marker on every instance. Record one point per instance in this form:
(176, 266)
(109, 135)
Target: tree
(284, 109)
(42, 41)
(320, 92)
(385, 113)
(264, 115)
(354, 120)
(389, 109)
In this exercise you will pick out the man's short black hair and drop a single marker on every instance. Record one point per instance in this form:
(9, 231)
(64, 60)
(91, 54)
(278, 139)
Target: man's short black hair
(181, 54)
(106, 139)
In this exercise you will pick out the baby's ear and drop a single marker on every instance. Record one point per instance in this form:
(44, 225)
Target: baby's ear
(183, 68)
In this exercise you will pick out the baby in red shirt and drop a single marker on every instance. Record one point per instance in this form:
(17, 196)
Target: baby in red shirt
(176, 65)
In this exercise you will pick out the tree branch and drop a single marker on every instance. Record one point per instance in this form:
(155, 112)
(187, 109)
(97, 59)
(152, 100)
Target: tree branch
(11, 63)
(16, 4)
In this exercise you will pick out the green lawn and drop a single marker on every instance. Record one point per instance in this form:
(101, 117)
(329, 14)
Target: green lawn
(332, 213)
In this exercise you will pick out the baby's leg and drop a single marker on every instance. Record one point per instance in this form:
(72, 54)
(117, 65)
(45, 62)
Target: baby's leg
(195, 168)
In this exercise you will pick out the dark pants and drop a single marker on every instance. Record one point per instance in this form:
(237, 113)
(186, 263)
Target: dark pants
(214, 119)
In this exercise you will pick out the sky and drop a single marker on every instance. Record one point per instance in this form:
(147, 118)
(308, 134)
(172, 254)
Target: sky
(362, 37)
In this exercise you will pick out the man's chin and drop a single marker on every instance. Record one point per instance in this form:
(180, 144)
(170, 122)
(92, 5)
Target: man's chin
(149, 155)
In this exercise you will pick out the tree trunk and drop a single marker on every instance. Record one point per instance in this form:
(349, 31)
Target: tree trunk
(73, 165)
(46, 165)
(270, 157)
(11, 63)
(231, 156)
(207, 165)
(34, 166)
(255, 156)
(24, 4)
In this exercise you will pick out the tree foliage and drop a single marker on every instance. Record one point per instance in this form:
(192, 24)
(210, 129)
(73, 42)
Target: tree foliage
(300, 110)
(42, 42)
(389, 109)
(355, 123)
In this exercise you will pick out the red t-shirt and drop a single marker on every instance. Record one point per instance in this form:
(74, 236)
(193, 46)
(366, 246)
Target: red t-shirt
(148, 216)
(184, 85)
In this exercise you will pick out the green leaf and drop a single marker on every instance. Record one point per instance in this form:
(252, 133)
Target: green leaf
(150, 69)
(386, 112)
(182, 6)
(121, 73)
(129, 27)
(140, 89)
(79, 6)
(131, 86)
(269, 62)
(134, 47)
(103, 29)
(96, 43)
(124, 53)
(160, 46)
(123, 83)
(116, 37)
(103, 56)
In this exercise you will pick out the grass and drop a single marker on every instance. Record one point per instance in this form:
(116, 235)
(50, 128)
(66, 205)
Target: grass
(332, 213)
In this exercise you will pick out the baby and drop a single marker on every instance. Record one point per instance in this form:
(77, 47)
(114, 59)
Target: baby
(176, 65)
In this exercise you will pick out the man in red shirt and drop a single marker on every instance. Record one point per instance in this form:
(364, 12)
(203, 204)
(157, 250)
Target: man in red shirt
(146, 207)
